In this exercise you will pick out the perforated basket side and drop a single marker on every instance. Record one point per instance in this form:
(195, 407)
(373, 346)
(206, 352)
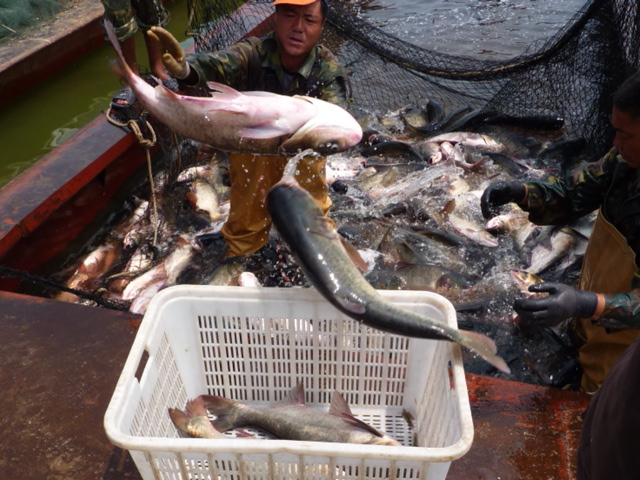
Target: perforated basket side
(254, 345)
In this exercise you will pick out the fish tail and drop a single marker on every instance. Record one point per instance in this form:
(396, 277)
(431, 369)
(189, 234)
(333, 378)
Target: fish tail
(180, 420)
(196, 408)
(225, 411)
(122, 63)
(485, 347)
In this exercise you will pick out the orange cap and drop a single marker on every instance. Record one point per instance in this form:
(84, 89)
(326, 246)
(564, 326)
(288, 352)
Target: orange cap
(293, 2)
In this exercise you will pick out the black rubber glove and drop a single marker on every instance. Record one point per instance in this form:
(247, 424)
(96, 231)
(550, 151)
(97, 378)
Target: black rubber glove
(500, 193)
(563, 302)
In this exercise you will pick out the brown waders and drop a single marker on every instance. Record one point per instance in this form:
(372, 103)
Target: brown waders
(608, 266)
(251, 176)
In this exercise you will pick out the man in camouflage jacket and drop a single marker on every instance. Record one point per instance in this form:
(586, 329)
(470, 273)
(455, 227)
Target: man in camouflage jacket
(288, 61)
(607, 302)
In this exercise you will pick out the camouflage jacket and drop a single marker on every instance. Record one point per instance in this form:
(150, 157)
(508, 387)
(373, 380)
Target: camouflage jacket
(614, 187)
(254, 64)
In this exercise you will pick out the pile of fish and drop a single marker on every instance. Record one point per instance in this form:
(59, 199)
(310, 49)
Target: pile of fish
(407, 200)
(289, 419)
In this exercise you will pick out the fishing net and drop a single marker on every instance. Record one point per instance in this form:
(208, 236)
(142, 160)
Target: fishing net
(17, 14)
(571, 75)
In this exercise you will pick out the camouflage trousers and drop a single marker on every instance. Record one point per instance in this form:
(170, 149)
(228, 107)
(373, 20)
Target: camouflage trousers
(127, 16)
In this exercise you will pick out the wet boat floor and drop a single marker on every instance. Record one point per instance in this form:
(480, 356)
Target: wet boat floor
(60, 363)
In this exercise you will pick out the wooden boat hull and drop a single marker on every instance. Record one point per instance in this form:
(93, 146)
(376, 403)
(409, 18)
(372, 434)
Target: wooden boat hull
(65, 196)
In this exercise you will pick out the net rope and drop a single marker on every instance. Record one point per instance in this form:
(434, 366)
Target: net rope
(15, 15)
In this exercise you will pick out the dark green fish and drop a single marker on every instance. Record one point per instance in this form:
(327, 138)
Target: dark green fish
(327, 265)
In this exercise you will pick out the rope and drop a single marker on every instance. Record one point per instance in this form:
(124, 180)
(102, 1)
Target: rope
(8, 272)
(146, 143)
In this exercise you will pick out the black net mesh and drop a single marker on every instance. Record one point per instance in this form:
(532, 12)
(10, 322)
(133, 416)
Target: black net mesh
(18, 14)
(571, 75)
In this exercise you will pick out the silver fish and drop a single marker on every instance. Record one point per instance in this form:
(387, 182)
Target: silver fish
(292, 419)
(256, 122)
(142, 289)
(327, 265)
(204, 199)
(549, 252)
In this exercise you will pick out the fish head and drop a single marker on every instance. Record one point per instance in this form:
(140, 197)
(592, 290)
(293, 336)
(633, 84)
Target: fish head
(330, 131)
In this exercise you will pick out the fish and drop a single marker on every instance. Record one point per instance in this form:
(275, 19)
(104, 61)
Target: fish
(429, 277)
(327, 265)
(479, 141)
(467, 227)
(91, 270)
(194, 420)
(293, 419)
(248, 279)
(252, 122)
(143, 288)
(204, 199)
(445, 120)
(549, 252)
(392, 148)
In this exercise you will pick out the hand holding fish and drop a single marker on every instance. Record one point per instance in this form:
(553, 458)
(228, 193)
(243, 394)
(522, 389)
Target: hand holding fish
(501, 193)
(563, 302)
(173, 56)
(253, 122)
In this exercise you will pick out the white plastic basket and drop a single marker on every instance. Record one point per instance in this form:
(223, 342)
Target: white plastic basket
(253, 345)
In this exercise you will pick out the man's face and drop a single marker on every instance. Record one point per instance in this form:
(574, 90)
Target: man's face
(298, 29)
(627, 139)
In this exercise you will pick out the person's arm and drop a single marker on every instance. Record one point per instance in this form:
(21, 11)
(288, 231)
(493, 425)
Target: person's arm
(621, 310)
(561, 200)
(555, 201)
(225, 66)
(561, 303)
(614, 311)
(229, 66)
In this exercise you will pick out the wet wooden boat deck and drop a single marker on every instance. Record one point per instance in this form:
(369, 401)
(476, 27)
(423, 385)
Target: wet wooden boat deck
(60, 364)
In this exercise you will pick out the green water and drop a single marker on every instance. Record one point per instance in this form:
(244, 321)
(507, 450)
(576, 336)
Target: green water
(43, 118)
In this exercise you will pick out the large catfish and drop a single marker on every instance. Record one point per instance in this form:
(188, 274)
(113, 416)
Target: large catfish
(253, 122)
(327, 265)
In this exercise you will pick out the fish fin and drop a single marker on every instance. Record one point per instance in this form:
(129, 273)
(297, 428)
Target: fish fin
(258, 93)
(113, 38)
(262, 131)
(321, 225)
(294, 397)
(354, 255)
(340, 408)
(222, 408)
(179, 419)
(485, 347)
(226, 89)
(339, 405)
(196, 408)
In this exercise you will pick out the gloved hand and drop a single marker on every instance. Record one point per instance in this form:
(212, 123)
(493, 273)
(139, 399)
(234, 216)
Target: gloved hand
(173, 56)
(500, 193)
(562, 302)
